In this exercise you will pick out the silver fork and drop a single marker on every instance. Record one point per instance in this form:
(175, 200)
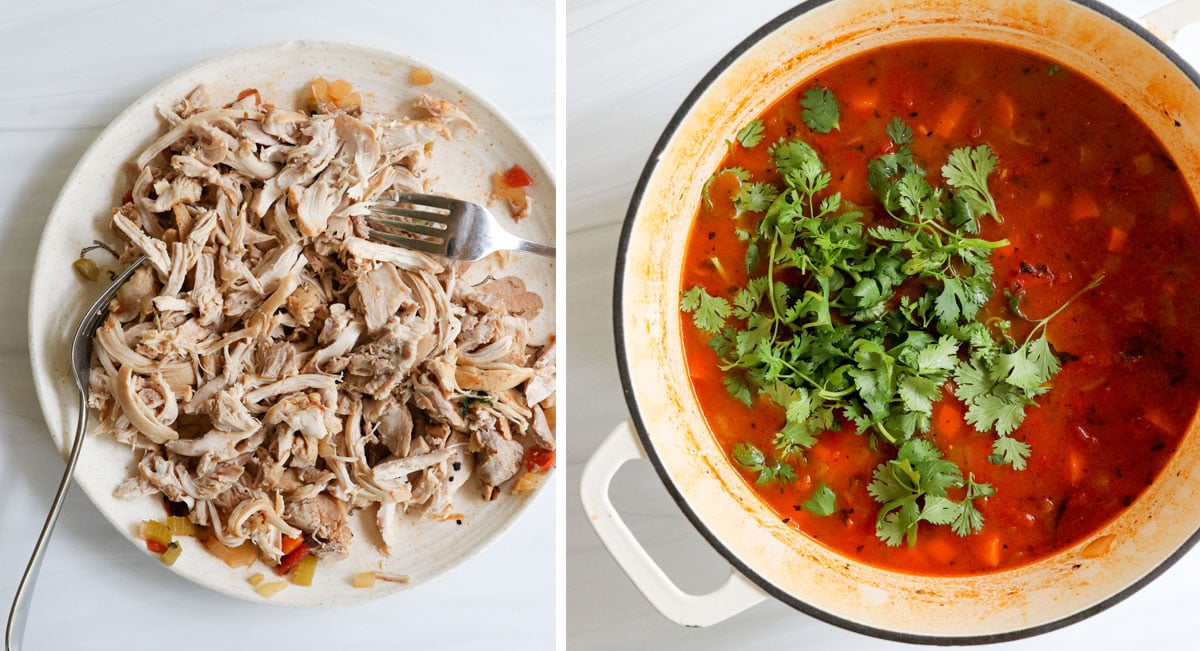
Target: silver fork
(81, 362)
(443, 226)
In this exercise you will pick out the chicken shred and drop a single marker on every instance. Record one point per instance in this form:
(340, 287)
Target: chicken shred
(277, 373)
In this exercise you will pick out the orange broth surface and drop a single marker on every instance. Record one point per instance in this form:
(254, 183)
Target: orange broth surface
(1083, 188)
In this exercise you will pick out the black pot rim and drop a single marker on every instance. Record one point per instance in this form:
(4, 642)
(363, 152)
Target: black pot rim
(639, 426)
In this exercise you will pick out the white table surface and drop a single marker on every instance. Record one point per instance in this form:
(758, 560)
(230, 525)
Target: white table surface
(66, 69)
(630, 63)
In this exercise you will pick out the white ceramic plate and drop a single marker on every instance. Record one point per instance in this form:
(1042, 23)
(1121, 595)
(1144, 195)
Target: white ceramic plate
(461, 167)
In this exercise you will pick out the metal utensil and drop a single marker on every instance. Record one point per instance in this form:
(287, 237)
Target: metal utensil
(443, 226)
(81, 361)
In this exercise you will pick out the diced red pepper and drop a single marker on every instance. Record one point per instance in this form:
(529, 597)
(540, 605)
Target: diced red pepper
(291, 560)
(517, 177)
(539, 459)
(155, 546)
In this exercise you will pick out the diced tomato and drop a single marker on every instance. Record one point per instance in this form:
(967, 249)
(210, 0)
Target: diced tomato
(517, 177)
(539, 459)
(156, 546)
(291, 560)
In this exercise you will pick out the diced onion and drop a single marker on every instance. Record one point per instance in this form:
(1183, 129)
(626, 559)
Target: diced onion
(268, 590)
(255, 579)
(243, 555)
(364, 580)
(421, 77)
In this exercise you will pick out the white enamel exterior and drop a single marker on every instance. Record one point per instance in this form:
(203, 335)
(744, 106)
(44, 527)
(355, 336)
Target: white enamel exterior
(782, 560)
(461, 167)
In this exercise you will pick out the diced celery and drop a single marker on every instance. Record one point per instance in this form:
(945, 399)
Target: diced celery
(304, 571)
(172, 554)
(153, 530)
(181, 526)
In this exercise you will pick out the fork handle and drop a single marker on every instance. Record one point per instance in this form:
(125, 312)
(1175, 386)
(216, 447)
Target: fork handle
(15, 632)
(534, 247)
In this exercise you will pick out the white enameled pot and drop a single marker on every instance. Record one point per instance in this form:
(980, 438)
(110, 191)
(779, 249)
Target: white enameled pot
(770, 558)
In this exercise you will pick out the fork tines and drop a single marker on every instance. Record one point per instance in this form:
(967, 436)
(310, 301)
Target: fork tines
(425, 227)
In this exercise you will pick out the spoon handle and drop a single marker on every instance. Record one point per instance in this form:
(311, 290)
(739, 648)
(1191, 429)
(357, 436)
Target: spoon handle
(15, 632)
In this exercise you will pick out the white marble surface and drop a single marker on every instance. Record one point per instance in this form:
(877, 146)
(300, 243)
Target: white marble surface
(629, 65)
(66, 69)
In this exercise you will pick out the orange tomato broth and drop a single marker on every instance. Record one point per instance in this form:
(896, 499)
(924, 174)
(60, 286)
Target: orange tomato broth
(1083, 188)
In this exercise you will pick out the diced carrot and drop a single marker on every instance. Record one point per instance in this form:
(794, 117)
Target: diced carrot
(155, 546)
(1161, 420)
(939, 549)
(290, 544)
(951, 116)
(948, 418)
(989, 550)
(1144, 164)
(864, 101)
(1074, 466)
(1116, 239)
(1044, 200)
(1178, 213)
(1086, 156)
(822, 452)
(1006, 111)
(1084, 206)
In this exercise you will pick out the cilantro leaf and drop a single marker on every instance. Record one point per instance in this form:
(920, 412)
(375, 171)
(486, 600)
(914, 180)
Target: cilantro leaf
(708, 312)
(822, 502)
(738, 390)
(899, 131)
(752, 459)
(966, 170)
(751, 134)
(821, 110)
(969, 520)
(754, 197)
(1009, 450)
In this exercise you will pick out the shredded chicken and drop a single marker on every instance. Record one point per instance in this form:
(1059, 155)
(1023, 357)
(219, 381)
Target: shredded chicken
(276, 372)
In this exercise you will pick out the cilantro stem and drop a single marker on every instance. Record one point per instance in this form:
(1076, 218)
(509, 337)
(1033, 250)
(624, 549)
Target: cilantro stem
(1044, 321)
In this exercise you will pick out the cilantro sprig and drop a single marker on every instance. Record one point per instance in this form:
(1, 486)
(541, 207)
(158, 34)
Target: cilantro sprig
(823, 329)
(913, 488)
(753, 459)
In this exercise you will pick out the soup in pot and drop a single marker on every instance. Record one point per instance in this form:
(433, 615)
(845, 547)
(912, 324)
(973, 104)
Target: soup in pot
(937, 300)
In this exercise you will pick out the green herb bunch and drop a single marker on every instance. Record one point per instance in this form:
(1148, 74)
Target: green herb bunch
(866, 318)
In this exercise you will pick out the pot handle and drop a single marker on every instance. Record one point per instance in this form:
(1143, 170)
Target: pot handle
(1169, 21)
(734, 596)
